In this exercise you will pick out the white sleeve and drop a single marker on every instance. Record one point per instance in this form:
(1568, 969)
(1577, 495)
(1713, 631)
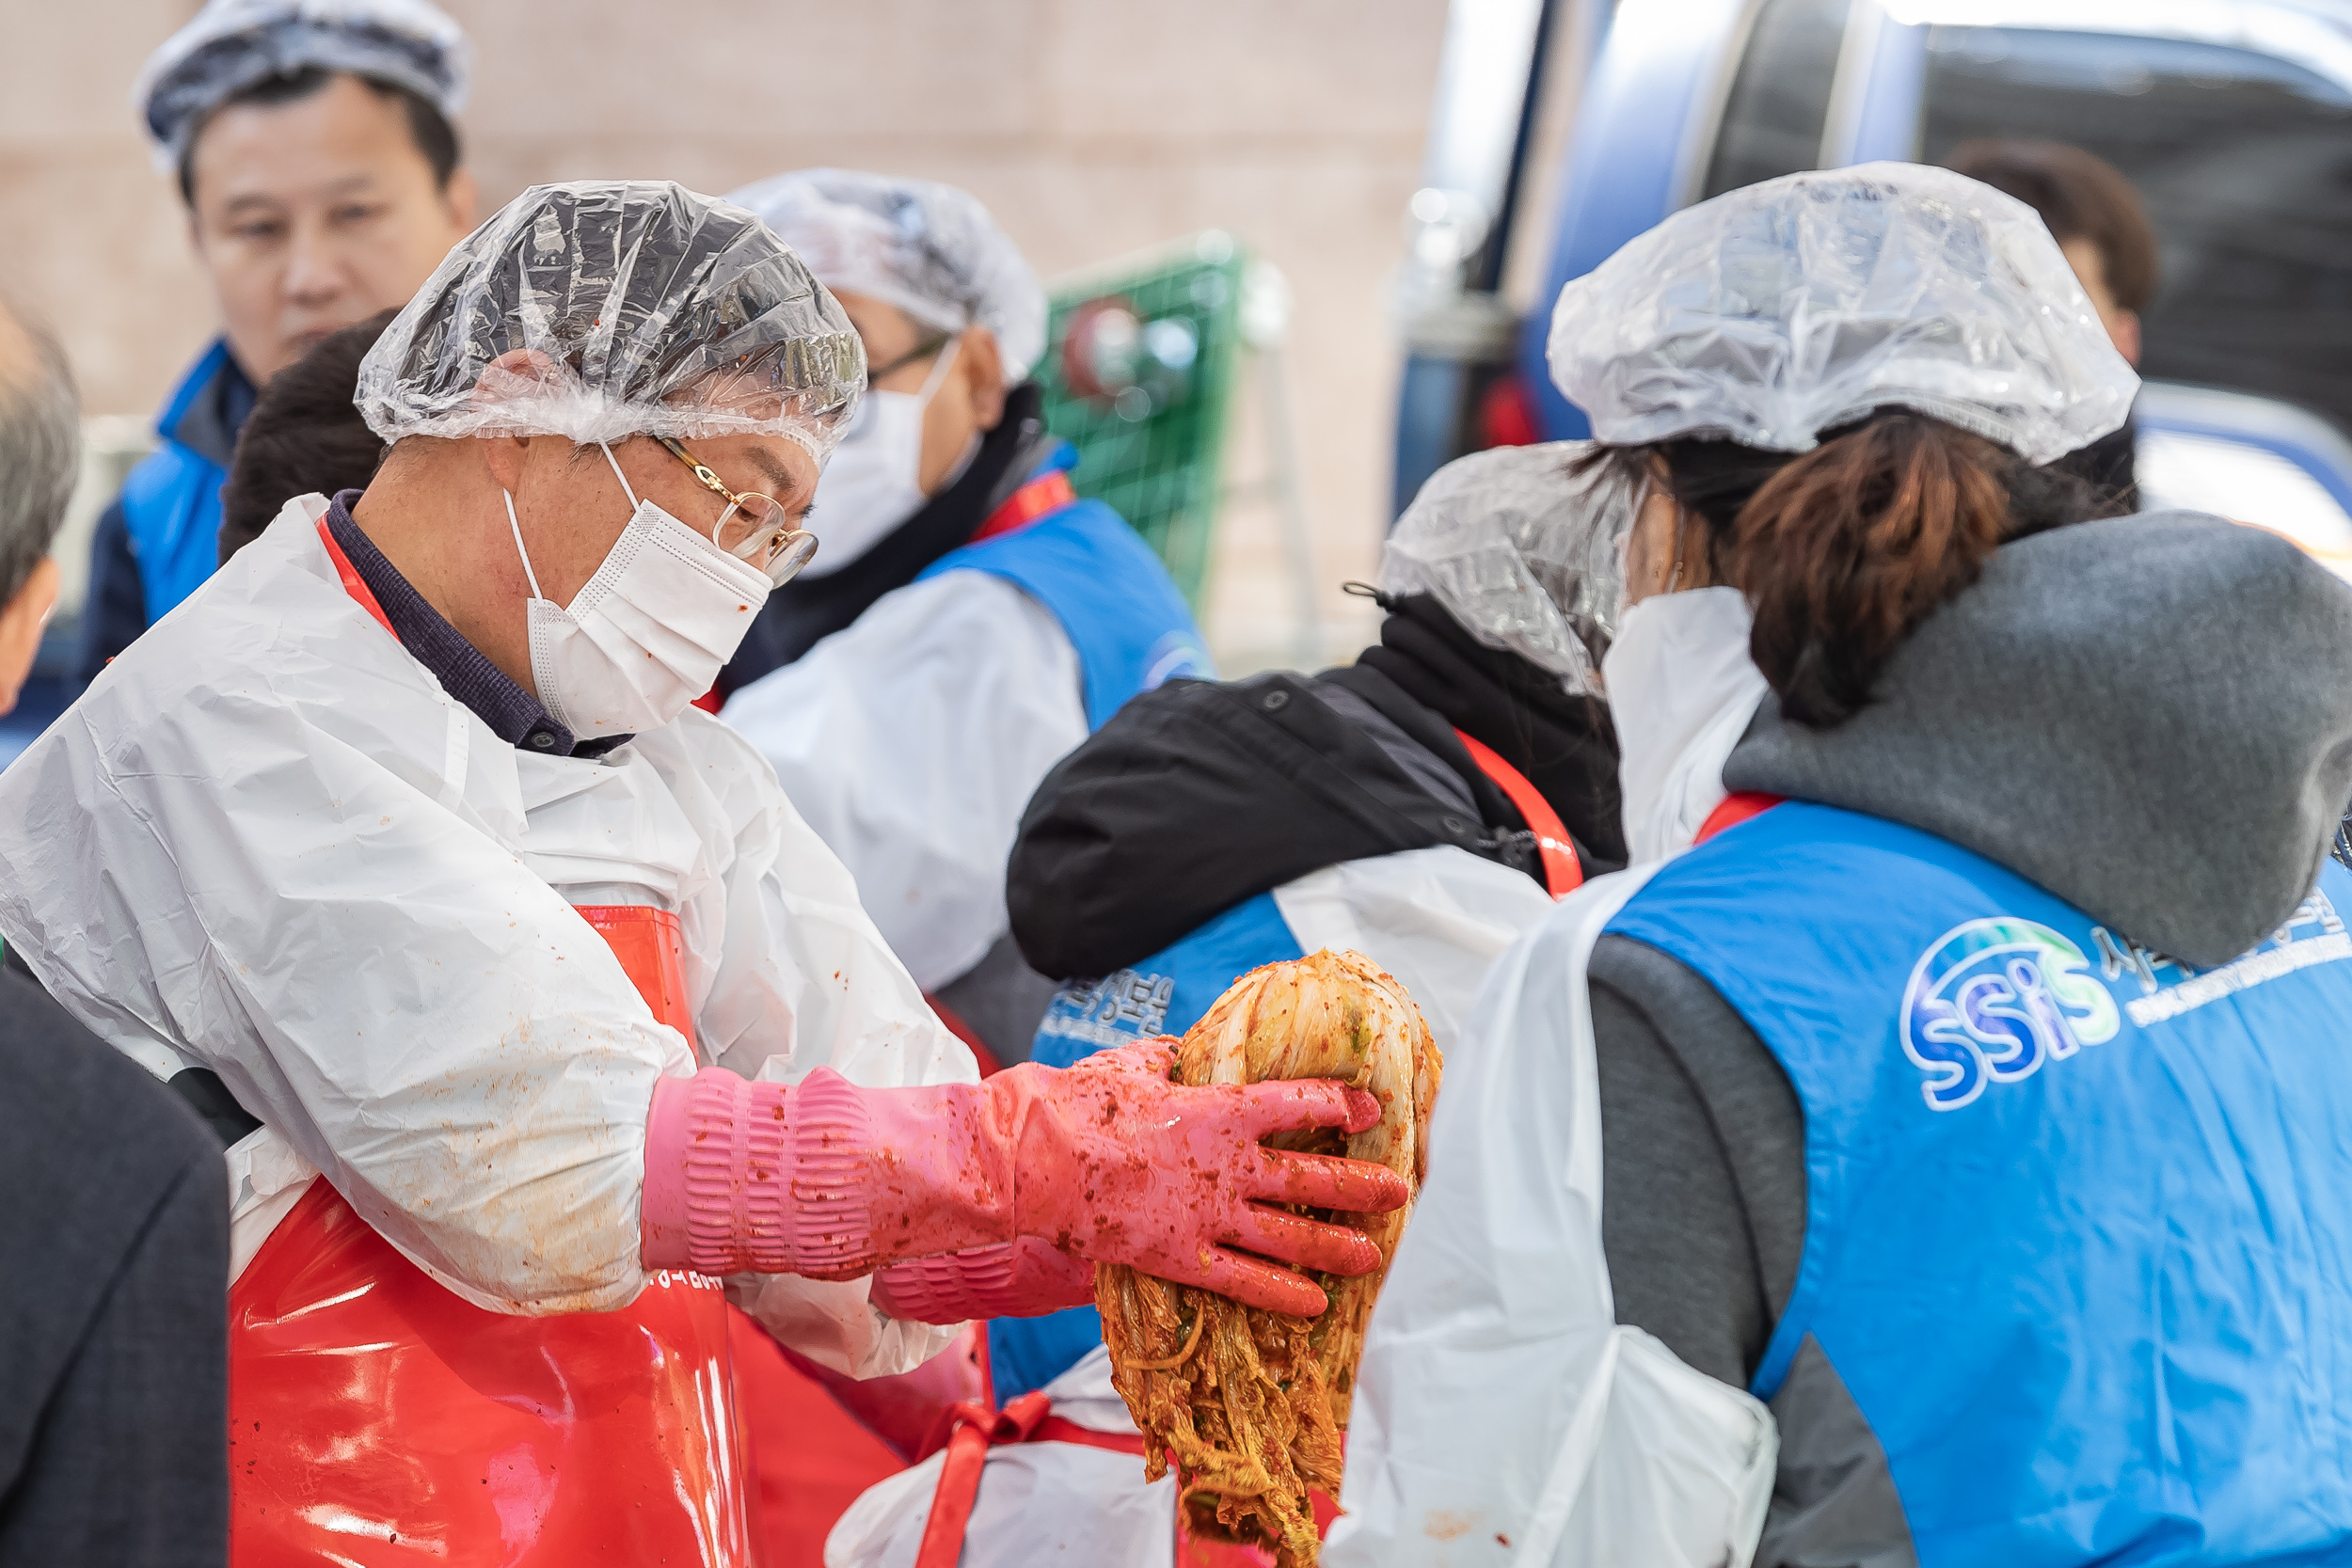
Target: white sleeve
(911, 741)
(1501, 1413)
(801, 978)
(803, 981)
(385, 985)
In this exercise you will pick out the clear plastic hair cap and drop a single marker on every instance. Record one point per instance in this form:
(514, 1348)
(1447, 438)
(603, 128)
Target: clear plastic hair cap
(234, 44)
(600, 310)
(1525, 553)
(929, 249)
(1771, 313)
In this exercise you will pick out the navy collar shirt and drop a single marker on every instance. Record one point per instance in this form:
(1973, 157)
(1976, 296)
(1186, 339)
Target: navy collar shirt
(514, 715)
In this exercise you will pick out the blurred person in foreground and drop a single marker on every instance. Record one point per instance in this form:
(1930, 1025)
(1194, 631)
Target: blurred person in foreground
(1422, 806)
(551, 1012)
(2102, 228)
(969, 619)
(113, 1382)
(312, 147)
(1931, 1149)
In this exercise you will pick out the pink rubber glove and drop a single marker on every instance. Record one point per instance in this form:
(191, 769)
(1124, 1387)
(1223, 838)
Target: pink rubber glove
(1108, 1161)
(1023, 1278)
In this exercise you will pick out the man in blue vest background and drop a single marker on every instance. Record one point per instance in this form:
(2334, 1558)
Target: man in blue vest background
(967, 620)
(314, 152)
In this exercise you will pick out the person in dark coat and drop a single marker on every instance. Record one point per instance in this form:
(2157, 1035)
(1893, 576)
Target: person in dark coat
(113, 1308)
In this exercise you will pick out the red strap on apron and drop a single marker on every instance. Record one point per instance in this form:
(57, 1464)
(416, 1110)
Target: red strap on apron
(1732, 810)
(1049, 492)
(1054, 1429)
(977, 1429)
(353, 584)
(1563, 873)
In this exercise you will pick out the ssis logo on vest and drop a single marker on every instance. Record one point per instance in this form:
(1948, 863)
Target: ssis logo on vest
(1995, 1000)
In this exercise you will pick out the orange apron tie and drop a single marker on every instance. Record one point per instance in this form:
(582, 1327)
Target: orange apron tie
(1563, 872)
(353, 584)
(1732, 810)
(976, 1429)
(1048, 493)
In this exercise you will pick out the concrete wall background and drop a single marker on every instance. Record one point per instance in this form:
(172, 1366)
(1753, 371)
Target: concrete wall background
(1091, 127)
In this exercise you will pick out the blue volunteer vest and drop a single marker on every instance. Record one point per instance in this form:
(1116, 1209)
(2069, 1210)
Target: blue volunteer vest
(1115, 601)
(172, 502)
(1165, 994)
(2079, 1221)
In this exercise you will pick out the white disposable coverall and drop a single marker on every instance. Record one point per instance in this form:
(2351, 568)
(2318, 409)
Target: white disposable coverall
(1437, 919)
(1503, 1413)
(910, 740)
(269, 842)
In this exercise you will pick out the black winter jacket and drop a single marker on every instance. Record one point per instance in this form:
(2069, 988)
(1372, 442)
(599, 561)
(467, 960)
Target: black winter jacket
(1204, 794)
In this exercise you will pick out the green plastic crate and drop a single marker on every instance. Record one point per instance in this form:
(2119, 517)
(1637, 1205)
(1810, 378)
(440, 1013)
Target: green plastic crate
(1145, 399)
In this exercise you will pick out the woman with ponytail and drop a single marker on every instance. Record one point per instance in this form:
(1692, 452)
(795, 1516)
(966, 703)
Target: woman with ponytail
(1934, 1147)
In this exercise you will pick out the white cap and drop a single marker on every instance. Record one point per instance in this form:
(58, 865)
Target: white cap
(232, 44)
(601, 310)
(1785, 308)
(931, 250)
(1523, 552)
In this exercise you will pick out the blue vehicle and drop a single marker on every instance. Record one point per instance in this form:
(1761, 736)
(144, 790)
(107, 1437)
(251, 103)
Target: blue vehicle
(2233, 117)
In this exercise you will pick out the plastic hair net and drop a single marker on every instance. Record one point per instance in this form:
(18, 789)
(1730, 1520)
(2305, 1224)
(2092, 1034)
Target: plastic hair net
(601, 310)
(1526, 554)
(232, 44)
(929, 249)
(1774, 313)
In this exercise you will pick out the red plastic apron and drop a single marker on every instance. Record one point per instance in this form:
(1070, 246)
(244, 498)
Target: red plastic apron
(378, 1419)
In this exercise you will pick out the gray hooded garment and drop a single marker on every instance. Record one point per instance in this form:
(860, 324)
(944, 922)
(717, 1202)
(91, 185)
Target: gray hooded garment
(2152, 718)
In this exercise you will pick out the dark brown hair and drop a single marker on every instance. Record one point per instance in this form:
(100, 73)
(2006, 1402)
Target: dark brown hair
(1843, 550)
(2080, 195)
(435, 139)
(303, 434)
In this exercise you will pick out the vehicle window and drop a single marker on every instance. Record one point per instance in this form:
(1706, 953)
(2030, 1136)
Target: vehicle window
(1779, 98)
(2180, 471)
(2245, 162)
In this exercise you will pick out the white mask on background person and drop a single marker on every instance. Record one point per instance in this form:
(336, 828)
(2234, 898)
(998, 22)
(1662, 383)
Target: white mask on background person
(874, 480)
(1682, 689)
(648, 633)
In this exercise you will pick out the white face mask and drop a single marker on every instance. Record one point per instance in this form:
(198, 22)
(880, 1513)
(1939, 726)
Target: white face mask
(873, 482)
(648, 633)
(1682, 689)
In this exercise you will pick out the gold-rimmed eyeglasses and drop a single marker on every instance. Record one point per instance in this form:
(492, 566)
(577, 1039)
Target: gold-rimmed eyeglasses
(754, 528)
